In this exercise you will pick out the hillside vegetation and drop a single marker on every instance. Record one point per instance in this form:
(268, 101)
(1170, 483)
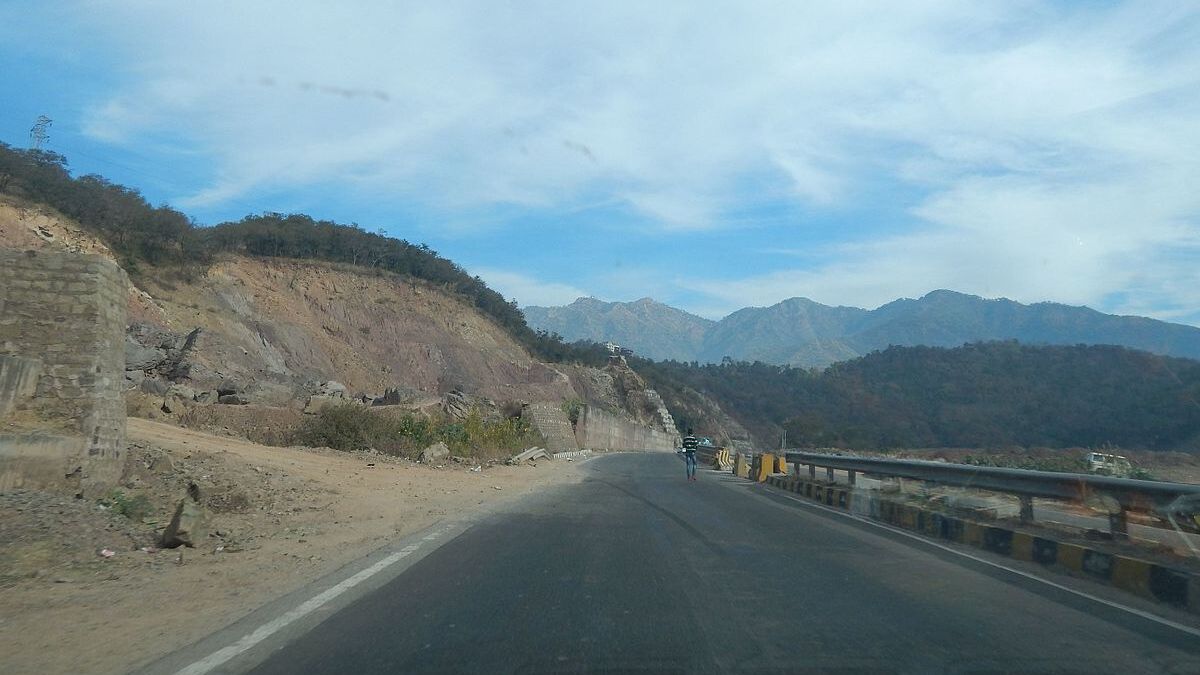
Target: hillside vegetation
(979, 395)
(165, 239)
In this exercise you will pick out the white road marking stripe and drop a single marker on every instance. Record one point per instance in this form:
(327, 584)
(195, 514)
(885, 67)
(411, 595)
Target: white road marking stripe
(1116, 605)
(222, 656)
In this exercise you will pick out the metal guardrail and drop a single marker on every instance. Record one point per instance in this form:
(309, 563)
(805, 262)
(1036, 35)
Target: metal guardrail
(1119, 495)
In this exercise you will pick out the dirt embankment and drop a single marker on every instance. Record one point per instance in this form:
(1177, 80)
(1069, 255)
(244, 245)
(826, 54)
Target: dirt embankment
(274, 325)
(280, 518)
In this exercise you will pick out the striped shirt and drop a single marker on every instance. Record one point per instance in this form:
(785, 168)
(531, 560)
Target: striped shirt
(690, 443)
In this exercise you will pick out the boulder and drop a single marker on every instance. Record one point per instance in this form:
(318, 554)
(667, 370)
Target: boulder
(140, 357)
(229, 388)
(317, 403)
(181, 391)
(392, 397)
(435, 452)
(151, 335)
(172, 405)
(153, 386)
(233, 399)
(331, 388)
(206, 397)
(189, 525)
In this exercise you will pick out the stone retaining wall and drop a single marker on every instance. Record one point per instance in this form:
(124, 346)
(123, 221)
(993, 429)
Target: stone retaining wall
(65, 312)
(550, 420)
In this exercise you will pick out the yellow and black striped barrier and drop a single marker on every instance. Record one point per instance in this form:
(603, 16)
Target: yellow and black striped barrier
(1145, 578)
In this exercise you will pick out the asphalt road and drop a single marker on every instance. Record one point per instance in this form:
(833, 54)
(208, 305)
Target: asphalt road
(638, 570)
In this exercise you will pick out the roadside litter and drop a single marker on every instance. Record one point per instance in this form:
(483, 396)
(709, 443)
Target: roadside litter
(528, 455)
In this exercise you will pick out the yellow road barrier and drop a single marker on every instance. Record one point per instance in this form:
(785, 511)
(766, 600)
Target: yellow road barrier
(1022, 546)
(766, 464)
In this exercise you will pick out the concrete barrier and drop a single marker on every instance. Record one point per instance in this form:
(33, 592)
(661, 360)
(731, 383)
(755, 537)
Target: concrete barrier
(1143, 578)
(741, 467)
(765, 465)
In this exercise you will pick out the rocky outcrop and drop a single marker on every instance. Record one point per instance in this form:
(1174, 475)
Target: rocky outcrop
(435, 453)
(189, 524)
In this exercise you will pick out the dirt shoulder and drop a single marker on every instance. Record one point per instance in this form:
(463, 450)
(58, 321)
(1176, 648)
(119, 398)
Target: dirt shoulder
(280, 518)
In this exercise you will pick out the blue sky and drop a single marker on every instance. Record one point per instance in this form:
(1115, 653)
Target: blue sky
(710, 155)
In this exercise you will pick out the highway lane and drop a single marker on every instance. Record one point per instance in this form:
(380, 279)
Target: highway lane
(638, 570)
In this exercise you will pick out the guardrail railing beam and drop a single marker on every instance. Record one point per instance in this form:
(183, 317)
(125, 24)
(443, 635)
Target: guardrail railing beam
(1121, 494)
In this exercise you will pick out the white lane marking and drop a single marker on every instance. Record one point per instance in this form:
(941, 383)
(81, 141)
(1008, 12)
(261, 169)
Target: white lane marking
(1116, 605)
(223, 655)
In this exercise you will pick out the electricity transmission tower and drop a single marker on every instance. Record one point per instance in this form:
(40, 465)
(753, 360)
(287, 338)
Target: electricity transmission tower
(38, 134)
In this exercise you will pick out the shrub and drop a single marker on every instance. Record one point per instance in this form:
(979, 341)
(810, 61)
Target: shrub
(573, 408)
(352, 427)
(133, 508)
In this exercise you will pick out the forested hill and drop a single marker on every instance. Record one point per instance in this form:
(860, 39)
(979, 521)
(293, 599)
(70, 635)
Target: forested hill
(979, 395)
(164, 241)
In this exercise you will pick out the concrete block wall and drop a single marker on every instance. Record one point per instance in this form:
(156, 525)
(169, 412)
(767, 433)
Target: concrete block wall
(600, 430)
(551, 421)
(18, 381)
(67, 312)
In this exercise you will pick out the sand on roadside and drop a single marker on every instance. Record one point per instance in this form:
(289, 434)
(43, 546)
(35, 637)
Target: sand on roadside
(294, 515)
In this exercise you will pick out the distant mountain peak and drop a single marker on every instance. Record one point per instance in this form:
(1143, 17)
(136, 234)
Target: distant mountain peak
(800, 331)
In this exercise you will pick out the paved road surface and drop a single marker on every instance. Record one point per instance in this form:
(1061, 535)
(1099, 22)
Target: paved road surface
(637, 570)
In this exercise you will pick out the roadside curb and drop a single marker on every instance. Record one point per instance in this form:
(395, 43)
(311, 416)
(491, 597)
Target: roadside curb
(1143, 578)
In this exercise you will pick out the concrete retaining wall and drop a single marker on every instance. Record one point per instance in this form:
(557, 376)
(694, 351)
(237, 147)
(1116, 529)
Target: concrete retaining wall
(600, 430)
(66, 312)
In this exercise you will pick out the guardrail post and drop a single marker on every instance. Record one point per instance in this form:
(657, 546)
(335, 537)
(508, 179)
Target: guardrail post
(1118, 524)
(796, 469)
(829, 475)
(853, 477)
(1026, 509)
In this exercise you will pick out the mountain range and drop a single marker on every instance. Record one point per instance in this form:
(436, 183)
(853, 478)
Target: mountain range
(801, 332)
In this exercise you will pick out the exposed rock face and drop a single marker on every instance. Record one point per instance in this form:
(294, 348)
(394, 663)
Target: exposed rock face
(275, 325)
(456, 404)
(642, 403)
(459, 405)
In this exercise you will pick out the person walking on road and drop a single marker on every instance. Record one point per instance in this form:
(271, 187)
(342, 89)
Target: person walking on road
(689, 454)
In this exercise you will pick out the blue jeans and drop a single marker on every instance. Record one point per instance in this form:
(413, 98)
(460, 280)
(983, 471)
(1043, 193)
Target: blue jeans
(690, 458)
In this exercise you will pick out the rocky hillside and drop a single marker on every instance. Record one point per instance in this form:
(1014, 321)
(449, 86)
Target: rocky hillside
(804, 333)
(273, 333)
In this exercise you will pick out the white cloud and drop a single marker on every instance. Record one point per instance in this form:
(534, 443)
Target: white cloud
(1056, 144)
(527, 290)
